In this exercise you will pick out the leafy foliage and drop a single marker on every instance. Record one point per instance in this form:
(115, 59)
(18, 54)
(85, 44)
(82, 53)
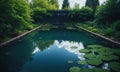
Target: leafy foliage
(93, 4)
(83, 14)
(105, 14)
(14, 16)
(65, 5)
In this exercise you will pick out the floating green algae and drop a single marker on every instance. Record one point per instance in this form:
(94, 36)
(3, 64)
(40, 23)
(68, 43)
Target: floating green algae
(84, 51)
(74, 69)
(115, 66)
(94, 62)
(100, 70)
(82, 62)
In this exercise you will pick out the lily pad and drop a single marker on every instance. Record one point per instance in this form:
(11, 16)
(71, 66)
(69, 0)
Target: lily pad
(90, 56)
(95, 46)
(117, 52)
(106, 53)
(95, 50)
(82, 62)
(108, 57)
(70, 61)
(87, 70)
(114, 57)
(105, 49)
(84, 51)
(94, 62)
(105, 58)
(115, 66)
(74, 47)
(100, 70)
(74, 69)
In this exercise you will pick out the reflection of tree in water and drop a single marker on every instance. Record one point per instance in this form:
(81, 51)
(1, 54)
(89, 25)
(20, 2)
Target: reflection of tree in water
(42, 45)
(12, 58)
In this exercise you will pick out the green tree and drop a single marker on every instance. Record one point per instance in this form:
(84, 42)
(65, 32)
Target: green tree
(108, 13)
(14, 17)
(77, 7)
(93, 4)
(83, 14)
(55, 3)
(43, 4)
(65, 5)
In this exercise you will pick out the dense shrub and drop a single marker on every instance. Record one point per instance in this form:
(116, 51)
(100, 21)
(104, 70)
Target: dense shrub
(14, 17)
(108, 13)
(83, 14)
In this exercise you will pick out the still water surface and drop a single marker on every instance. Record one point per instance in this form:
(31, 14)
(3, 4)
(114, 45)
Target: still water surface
(46, 51)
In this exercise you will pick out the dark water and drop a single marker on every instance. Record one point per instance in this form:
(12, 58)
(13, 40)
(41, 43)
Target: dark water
(46, 51)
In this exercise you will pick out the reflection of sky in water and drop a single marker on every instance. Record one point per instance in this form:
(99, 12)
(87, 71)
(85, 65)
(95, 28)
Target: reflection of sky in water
(67, 45)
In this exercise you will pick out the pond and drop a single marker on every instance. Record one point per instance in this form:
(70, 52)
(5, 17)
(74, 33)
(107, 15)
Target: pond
(58, 51)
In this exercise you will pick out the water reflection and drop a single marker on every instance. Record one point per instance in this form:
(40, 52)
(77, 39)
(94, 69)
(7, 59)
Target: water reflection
(45, 51)
(67, 45)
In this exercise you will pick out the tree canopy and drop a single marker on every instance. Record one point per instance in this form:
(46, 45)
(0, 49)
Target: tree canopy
(14, 16)
(93, 4)
(45, 4)
(108, 12)
(65, 5)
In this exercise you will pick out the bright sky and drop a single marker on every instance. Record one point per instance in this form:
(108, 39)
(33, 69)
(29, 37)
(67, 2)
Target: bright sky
(80, 2)
(72, 2)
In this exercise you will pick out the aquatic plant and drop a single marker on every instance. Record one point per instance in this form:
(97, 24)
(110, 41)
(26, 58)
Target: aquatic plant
(74, 47)
(108, 57)
(87, 70)
(115, 66)
(94, 46)
(105, 49)
(106, 53)
(114, 57)
(84, 51)
(94, 50)
(100, 70)
(82, 62)
(117, 52)
(90, 56)
(94, 62)
(70, 61)
(105, 58)
(74, 69)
